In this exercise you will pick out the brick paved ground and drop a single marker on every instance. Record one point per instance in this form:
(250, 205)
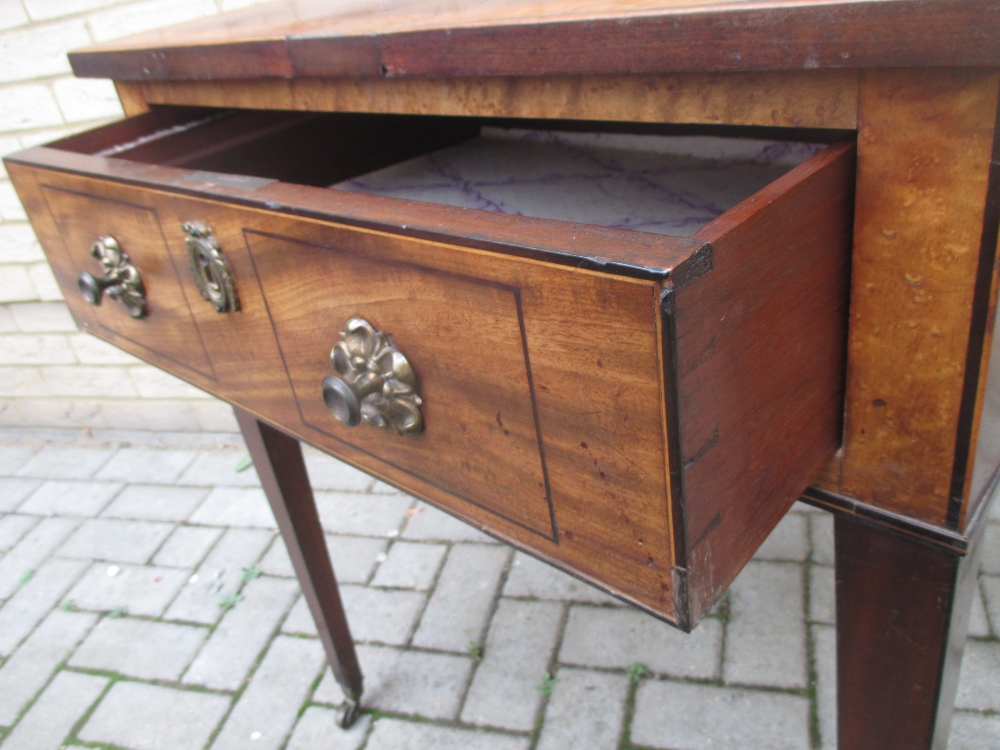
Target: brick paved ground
(146, 602)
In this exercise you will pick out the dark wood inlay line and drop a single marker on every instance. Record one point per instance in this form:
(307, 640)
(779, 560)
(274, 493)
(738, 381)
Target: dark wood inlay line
(985, 271)
(534, 414)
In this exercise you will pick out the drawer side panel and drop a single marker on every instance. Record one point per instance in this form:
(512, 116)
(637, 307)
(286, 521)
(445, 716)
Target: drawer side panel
(760, 344)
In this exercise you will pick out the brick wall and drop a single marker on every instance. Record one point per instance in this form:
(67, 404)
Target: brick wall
(51, 375)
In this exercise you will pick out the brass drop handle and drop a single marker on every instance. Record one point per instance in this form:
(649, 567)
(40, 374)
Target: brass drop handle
(212, 274)
(121, 280)
(374, 382)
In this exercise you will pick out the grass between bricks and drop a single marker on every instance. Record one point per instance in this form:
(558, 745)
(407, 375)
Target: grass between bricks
(722, 616)
(812, 694)
(548, 685)
(227, 601)
(812, 672)
(497, 593)
(95, 745)
(71, 738)
(249, 676)
(551, 677)
(116, 677)
(637, 671)
(399, 531)
(625, 736)
(236, 696)
(377, 714)
(474, 649)
(312, 688)
(34, 699)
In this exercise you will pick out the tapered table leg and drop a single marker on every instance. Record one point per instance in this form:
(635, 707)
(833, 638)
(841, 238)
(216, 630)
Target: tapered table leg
(282, 471)
(902, 614)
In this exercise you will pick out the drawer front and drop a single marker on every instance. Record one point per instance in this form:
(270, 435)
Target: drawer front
(541, 388)
(541, 385)
(464, 338)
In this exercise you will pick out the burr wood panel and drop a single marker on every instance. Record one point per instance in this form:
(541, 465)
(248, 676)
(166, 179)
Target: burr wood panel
(790, 99)
(918, 231)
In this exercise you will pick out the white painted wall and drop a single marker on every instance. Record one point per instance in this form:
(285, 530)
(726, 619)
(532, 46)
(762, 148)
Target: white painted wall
(51, 375)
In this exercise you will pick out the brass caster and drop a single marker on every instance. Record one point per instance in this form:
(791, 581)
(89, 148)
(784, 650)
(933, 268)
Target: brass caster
(348, 714)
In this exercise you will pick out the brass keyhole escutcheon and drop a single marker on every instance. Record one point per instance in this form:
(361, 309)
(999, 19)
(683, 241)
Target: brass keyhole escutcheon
(121, 280)
(374, 382)
(211, 271)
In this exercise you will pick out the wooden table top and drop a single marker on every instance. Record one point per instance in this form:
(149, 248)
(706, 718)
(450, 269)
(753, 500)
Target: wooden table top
(308, 38)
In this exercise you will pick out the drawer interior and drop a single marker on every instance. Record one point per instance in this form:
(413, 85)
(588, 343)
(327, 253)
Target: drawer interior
(640, 178)
(664, 184)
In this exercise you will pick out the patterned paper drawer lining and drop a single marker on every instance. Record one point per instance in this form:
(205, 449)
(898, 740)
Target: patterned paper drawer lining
(663, 184)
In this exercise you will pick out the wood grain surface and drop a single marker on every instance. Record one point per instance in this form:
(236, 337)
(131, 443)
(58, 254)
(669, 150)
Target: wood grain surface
(760, 364)
(132, 99)
(918, 228)
(300, 148)
(902, 616)
(497, 432)
(791, 99)
(593, 346)
(481, 440)
(277, 459)
(304, 38)
(953, 113)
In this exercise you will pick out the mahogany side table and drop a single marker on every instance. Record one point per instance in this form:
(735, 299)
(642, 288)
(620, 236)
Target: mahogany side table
(863, 284)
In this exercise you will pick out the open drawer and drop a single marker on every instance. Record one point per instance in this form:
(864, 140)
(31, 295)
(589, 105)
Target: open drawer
(638, 399)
